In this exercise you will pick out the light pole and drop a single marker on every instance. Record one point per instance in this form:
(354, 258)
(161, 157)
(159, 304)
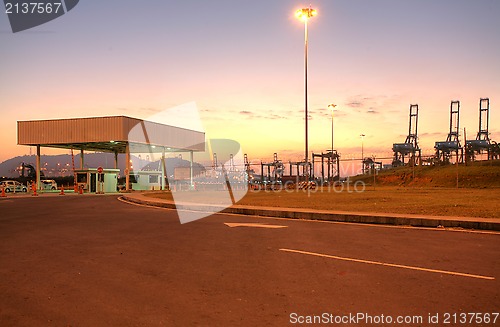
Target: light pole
(332, 107)
(362, 145)
(305, 14)
(362, 152)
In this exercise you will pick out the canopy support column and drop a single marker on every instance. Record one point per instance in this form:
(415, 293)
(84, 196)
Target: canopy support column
(38, 186)
(191, 168)
(127, 167)
(163, 169)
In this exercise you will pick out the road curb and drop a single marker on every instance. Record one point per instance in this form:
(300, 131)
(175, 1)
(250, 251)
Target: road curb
(347, 217)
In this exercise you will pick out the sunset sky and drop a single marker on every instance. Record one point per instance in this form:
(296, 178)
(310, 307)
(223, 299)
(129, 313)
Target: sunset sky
(241, 62)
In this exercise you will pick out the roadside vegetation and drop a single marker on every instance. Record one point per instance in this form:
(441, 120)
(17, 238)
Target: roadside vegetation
(479, 174)
(426, 190)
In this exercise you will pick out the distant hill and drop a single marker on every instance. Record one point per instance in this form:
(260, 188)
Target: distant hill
(480, 174)
(60, 165)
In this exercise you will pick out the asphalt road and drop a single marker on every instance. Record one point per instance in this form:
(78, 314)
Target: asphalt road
(96, 261)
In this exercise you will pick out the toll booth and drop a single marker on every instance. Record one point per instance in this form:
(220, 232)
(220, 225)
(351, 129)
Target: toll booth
(90, 180)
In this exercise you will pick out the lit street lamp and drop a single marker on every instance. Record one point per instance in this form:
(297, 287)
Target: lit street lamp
(305, 14)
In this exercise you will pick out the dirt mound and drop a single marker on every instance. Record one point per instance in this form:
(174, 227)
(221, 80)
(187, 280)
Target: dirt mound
(484, 174)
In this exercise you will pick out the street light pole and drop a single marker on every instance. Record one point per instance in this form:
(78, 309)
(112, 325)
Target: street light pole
(305, 14)
(362, 152)
(362, 145)
(306, 102)
(332, 106)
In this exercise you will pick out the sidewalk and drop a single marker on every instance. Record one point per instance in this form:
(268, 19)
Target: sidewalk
(327, 215)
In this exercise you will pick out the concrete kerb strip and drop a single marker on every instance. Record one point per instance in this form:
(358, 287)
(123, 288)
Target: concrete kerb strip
(46, 194)
(338, 216)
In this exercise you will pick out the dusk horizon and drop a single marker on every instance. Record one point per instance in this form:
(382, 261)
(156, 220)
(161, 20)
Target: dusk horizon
(245, 73)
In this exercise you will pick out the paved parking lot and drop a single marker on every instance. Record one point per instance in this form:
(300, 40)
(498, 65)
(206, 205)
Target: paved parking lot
(96, 261)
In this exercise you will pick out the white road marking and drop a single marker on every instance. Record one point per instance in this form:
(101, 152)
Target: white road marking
(389, 264)
(254, 225)
(435, 229)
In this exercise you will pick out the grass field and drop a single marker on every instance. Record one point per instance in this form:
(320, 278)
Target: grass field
(428, 190)
(383, 199)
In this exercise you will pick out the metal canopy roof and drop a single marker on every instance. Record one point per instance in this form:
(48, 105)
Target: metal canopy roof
(109, 134)
(119, 147)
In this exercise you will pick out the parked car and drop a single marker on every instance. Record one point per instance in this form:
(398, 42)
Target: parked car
(48, 184)
(13, 186)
